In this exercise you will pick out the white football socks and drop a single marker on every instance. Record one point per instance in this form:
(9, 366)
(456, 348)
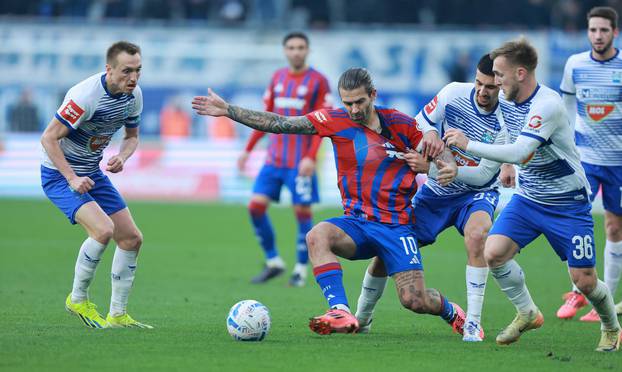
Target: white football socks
(511, 280)
(476, 278)
(371, 291)
(86, 264)
(613, 265)
(602, 301)
(122, 273)
(300, 269)
(275, 262)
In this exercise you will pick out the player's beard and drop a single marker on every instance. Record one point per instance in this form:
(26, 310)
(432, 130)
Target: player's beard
(604, 49)
(511, 93)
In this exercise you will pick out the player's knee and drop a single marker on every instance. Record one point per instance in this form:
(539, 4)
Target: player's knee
(475, 240)
(377, 268)
(585, 280)
(103, 231)
(257, 208)
(135, 240)
(316, 239)
(492, 258)
(613, 229)
(413, 303)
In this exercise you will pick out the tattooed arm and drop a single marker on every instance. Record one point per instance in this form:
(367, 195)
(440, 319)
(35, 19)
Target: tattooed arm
(213, 105)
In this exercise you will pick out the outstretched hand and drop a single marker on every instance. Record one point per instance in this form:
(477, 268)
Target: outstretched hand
(212, 104)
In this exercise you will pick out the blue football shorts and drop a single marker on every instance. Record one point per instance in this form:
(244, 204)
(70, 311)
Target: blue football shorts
(568, 228)
(304, 190)
(395, 244)
(434, 213)
(611, 180)
(57, 189)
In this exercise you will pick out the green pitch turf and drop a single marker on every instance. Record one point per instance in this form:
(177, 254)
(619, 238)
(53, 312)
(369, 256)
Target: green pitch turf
(196, 262)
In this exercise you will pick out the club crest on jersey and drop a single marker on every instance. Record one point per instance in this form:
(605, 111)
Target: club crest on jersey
(488, 137)
(71, 112)
(616, 77)
(392, 151)
(535, 122)
(599, 111)
(431, 106)
(97, 142)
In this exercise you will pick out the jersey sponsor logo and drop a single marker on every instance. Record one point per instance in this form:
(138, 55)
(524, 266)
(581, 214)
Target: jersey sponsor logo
(598, 112)
(392, 151)
(431, 106)
(319, 116)
(302, 90)
(535, 122)
(463, 161)
(71, 112)
(289, 103)
(97, 142)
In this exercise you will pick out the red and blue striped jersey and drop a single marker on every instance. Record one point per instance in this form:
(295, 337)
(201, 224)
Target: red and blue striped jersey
(374, 180)
(291, 94)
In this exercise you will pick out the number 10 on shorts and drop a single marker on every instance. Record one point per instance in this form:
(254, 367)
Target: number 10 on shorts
(410, 246)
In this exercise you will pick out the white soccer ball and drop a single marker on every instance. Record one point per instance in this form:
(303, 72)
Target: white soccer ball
(248, 320)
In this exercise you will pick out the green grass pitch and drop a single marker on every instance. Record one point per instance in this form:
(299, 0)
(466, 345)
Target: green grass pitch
(196, 262)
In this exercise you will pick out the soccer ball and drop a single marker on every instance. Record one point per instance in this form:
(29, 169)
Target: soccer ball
(248, 320)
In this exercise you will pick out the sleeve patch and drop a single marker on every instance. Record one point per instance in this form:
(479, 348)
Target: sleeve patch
(535, 122)
(431, 106)
(71, 112)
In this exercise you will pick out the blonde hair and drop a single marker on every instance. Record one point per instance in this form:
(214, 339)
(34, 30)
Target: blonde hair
(518, 52)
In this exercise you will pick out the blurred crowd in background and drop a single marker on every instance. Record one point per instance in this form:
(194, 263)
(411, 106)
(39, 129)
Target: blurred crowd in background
(539, 14)
(22, 110)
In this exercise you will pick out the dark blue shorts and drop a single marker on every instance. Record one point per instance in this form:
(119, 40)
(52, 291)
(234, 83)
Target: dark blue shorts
(611, 180)
(57, 189)
(568, 228)
(395, 244)
(434, 213)
(304, 190)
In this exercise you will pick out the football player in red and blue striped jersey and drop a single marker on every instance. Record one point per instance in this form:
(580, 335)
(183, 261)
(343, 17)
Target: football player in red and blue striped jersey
(294, 90)
(376, 186)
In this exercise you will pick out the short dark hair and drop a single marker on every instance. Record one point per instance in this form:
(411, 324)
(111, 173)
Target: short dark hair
(356, 77)
(485, 65)
(606, 12)
(296, 35)
(119, 47)
(518, 53)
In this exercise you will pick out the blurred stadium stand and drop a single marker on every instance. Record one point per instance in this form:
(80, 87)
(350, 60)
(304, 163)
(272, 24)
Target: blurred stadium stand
(412, 48)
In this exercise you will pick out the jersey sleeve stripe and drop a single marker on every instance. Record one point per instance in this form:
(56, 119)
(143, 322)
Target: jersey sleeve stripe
(427, 118)
(565, 92)
(65, 122)
(531, 135)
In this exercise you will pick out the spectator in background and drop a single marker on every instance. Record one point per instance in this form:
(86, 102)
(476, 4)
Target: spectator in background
(175, 122)
(458, 68)
(24, 115)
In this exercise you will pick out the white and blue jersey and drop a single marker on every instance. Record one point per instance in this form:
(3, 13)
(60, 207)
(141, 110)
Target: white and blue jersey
(552, 198)
(552, 174)
(597, 86)
(94, 116)
(455, 107)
